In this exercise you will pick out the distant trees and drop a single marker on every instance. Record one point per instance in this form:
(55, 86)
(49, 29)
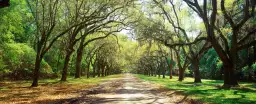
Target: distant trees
(152, 59)
(97, 21)
(103, 57)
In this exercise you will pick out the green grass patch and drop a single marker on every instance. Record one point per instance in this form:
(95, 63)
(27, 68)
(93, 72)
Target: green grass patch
(208, 91)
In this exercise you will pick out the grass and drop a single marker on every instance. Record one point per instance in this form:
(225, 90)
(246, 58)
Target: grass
(208, 91)
(48, 89)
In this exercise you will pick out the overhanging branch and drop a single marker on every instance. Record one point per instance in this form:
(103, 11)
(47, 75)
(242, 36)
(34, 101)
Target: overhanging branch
(185, 44)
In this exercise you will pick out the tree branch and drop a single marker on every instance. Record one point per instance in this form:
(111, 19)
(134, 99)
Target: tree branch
(247, 36)
(224, 11)
(241, 47)
(185, 44)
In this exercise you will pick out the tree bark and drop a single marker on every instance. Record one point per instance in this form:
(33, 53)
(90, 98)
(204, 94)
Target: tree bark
(94, 69)
(39, 59)
(230, 79)
(181, 74)
(159, 74)
(88, 70)
(171, 65)
(99, 67)
(79, 57)
(163, 73)
(151, 71)
(197, 76)
(88, 66)
(78, 63)
(170, 71)
(66, 64)
(94, 72)
(36, 70)
(181, 69)
(229, 64)
(103, 70)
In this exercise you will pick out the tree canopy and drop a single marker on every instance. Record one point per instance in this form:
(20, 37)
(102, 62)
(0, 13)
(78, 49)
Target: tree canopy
(189, 38)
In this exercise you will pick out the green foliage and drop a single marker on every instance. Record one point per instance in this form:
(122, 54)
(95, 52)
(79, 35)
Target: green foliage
(55, 59)
(18, 56)
(254, 67)
(14, 22)
(2, 65)
(245, 69)
(210, 65)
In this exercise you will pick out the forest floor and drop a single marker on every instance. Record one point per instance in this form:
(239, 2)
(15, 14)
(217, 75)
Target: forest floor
(117, 89)
(52, 90)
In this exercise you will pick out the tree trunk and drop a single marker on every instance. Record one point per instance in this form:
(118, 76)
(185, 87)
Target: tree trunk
(230, 79)
(159, 74)
(170, 71)
(181, 74)
(103, 70)
(99, 67)
(88, 66)
(171, 65)
(94, 69)
(78, 64)
(36, 70)
(66, 63)
(79, 57)
(197, 76)
(163, 73)
(181, 69)
(88, 70)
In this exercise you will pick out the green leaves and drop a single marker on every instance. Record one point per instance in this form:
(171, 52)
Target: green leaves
(18, 56)
(12, 20)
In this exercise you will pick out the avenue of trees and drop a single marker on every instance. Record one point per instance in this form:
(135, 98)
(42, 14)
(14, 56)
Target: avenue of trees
(45, 38)
(212, 39)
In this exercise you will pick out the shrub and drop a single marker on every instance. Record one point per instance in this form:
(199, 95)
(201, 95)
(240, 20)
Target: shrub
(18, 60)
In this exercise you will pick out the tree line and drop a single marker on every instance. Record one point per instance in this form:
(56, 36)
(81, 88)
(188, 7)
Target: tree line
(193, 28)
(71, 35)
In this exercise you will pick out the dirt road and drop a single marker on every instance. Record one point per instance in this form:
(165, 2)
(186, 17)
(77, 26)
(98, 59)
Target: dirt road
(129, 90)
